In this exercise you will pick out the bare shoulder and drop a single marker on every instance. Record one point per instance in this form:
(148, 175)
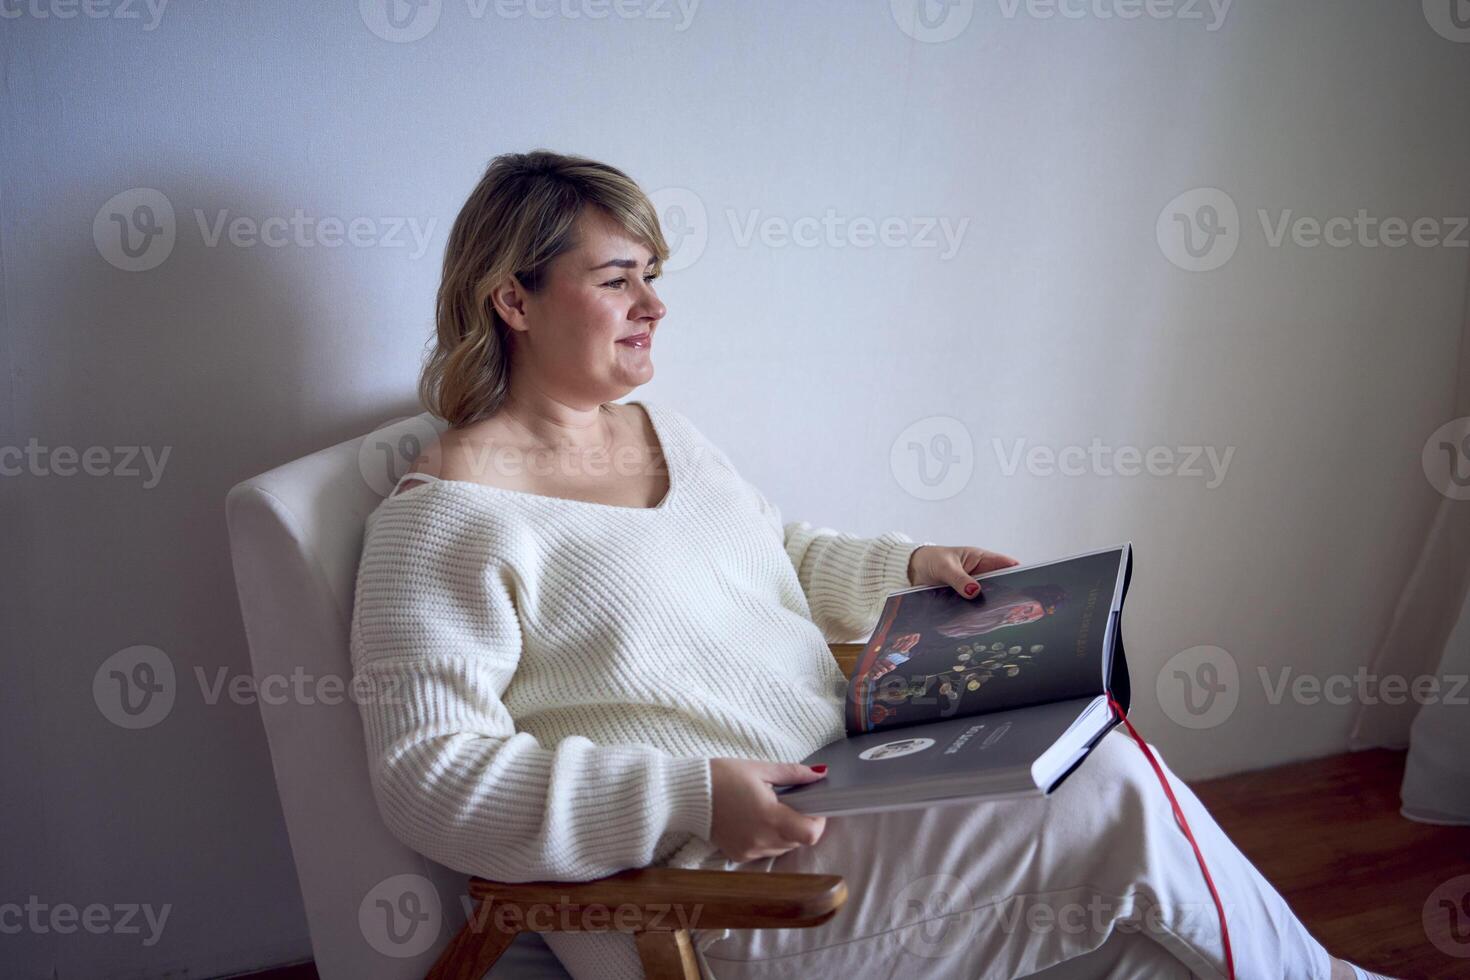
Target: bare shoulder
(454, 453)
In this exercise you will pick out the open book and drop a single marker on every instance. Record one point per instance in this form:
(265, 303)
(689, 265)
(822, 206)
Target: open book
(998, 696)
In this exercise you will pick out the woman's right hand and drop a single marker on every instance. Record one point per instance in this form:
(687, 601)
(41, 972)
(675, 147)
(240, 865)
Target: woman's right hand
(748, 820)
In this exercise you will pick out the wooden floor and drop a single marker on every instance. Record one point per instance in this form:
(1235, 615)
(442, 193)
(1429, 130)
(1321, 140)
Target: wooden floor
(1328, 835)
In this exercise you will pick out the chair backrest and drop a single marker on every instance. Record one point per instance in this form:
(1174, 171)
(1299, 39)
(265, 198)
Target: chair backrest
(375, 908)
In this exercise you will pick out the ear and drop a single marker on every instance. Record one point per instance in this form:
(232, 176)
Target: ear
(509, 300)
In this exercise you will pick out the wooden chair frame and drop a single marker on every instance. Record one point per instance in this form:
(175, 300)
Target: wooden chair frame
(659, 906)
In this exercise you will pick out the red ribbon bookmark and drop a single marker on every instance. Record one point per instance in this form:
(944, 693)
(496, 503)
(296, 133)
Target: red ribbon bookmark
(1184, 825)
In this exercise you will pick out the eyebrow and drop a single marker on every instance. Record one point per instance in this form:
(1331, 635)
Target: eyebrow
(622, 263)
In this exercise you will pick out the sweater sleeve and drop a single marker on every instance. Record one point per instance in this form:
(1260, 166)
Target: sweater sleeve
(435, 641)
(846, 578)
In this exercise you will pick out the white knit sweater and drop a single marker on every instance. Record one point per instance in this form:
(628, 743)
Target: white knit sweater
(556, 674)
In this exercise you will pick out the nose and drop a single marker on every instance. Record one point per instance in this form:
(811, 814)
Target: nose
(648, 307)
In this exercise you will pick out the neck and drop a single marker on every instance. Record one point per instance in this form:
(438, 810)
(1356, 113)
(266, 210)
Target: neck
(550, 420)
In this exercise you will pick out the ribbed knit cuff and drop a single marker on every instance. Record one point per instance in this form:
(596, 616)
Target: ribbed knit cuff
(895, 549)
(691, 795)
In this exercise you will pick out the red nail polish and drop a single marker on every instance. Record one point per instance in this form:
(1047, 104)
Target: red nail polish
(971, 589)
(821, 768)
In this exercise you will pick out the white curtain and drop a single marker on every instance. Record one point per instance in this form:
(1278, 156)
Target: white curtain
(1429, 636)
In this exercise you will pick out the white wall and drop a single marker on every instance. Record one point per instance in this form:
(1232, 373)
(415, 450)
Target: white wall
(1058, 319)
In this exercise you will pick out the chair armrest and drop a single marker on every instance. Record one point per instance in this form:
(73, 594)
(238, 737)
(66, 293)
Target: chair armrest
(846, 655)
(666, 898)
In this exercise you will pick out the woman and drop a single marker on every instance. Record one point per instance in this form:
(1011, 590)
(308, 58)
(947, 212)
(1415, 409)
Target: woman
(606, 648)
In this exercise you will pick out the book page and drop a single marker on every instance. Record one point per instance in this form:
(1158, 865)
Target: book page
(1035, 635)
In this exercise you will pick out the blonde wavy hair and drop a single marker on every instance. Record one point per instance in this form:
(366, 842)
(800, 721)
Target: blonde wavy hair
(520, 216)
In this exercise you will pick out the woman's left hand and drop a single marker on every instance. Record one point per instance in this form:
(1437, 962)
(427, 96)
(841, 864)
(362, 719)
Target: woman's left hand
(935, 564)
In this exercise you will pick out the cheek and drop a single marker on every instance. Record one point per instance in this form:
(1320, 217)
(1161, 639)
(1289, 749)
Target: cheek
(598, 315)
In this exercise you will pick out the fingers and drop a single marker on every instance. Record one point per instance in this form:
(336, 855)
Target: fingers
(789, 773)
(797, 828)
(992, 560)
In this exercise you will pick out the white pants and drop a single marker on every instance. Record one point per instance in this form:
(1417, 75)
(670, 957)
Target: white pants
(1097, 880)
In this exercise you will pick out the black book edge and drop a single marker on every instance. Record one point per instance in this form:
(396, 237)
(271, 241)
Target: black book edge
(1119, 685)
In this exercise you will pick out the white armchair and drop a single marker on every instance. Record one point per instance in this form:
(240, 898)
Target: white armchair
(375, 908)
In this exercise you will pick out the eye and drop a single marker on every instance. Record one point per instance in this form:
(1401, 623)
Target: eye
(620, 281)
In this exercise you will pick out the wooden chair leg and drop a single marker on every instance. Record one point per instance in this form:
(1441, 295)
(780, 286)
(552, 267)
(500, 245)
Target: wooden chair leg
(474, 950)
(667, 954)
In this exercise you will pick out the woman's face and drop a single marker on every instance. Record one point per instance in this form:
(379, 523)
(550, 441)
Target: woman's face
(596, 296)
